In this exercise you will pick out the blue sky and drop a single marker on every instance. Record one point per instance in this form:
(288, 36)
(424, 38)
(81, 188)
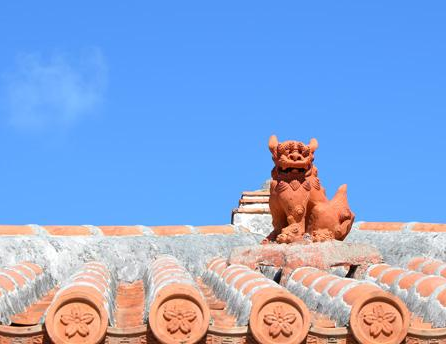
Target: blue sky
(160, 113)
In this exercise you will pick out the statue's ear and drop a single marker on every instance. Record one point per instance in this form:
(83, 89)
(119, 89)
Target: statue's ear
(273, 143)
(313, 145)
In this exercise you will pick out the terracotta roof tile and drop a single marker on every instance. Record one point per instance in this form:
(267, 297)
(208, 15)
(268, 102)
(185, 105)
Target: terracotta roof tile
(130, 299)
(88, 230)
(229, 229)
(261, 193)
(251, 211)
(67, 230)
(348, 301)
(429, 227)
(129, 335)
(129, 310)
(33, 314)
(254, 200)
(232, 299)
(16, 230)
(21, 286)
(400, 226)
(23, 334)
(427, 266)
(170, 230)
(424, 299)
(83, 307)
(177, 311)
(382, 226)
(256, 297)
(121, 230)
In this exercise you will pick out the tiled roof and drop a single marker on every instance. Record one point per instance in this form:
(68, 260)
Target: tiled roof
(400, 226)
(139, 230)
(216, 285)
(229, 303)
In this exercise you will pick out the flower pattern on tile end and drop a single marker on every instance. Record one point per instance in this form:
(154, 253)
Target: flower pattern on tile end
(279, 322)
(179, 318)
(76, 322)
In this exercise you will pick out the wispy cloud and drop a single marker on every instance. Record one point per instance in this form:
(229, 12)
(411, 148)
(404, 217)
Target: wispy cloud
(57, 91)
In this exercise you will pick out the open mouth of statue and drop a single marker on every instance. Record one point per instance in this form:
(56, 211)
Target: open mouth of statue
(292, 170)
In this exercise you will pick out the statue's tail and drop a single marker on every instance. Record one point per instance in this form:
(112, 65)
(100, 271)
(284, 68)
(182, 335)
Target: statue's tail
(331, 219)
(345, 215)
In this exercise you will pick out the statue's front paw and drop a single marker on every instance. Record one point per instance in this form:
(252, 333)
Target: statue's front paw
(322, 235)
(283, 238)
(291, 233)
(296, 229)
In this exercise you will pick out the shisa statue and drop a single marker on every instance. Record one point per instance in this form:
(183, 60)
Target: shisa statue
(299, 206)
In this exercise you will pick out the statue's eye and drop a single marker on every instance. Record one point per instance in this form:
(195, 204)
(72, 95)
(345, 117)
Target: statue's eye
(306, 152)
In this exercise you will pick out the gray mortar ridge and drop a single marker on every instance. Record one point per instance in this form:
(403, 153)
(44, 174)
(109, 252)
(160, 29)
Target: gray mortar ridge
(128, 255)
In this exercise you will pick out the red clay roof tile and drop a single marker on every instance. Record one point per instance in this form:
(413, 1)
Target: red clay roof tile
(262, 193)
(67, 230)
(16, 230)
(253, 200)
(170, 230)
(229, 229)
(121, 230)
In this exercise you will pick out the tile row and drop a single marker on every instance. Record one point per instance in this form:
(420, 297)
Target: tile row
(229, 303)
(139, 230)
(253, 202)
(400, 226)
